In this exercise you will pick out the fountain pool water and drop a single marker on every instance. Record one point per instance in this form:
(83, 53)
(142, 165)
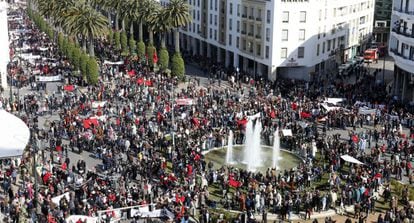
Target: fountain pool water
(229, 152)
(276, 149)
(286, 161)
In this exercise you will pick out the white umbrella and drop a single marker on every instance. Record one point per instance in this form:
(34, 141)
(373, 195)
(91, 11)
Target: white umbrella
(14, 135)
(351, 159)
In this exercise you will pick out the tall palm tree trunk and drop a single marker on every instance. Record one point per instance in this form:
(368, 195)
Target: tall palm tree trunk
(163, 40)
(84, 40)
(117, 22)
(131, 29)
(91, 46)
(177, 40)
(123, 24)
(140, 32)
(151, 37)
(109, 19)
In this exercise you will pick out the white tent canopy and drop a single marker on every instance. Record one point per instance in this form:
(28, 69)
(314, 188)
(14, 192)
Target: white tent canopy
(14, 135)
(351, 159)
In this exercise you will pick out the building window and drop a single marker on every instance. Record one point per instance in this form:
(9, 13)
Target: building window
(215, 20)
(238, 26)
(259, 50)
(215, 34)
(230, 24)
(267, 52)
(198, 3)
(198, 15)
(283, 53)
(285, 35)
(333, 43)
(285, 17)
(302, 17)
(215, 5)
(198, 28)
(317, 49)
(237, 42)
(259, 14)
(230, 39)
(238, 10)
(301, 52)
(329, 46)
(267, 34)
(231, 9)
(268, 16)
(211, 4)
(211, 19)
(211, 33)
(301, 34)
(323, 47)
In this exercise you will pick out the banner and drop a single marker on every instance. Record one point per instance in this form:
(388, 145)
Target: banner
(83, 218)
(56, 200)
(97, 104)
(48, 78)
(145, 212)
(113, 63)
(184, 101)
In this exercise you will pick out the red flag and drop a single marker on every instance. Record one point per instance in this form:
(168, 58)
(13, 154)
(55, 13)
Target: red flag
(233, 182)
(140, 81)
(355, 138)
(90, 121)
(131, 73)
(148, 83)
(377, 176)
(69, 88)
(294, 106)
(305, 115)
(155, 57)
(64, 166)
(196, 122)
(242, 122)
(273, 114)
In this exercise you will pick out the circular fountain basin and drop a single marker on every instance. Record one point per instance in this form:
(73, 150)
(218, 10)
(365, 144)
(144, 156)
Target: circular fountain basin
(286, 160)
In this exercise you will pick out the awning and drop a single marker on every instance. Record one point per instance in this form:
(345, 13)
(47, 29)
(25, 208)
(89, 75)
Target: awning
(14, 135)
(351, 159)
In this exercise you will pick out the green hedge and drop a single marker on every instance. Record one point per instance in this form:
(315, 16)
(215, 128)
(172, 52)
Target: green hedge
(117, 39)
(124, 42)
(164, 59)
(150, 53)
(132, 45)
(177, 66)
(110, 37)
(92, 71)
(141, 50)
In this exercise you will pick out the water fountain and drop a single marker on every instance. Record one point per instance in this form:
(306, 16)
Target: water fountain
(276, 149)
(248, 143)
(229, 152)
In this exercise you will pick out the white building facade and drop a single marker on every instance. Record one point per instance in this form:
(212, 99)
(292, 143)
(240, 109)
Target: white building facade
(401, 48)
(298, 39)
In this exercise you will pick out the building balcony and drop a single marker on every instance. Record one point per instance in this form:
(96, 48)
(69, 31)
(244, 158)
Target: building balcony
(259, 19)
(250, 34)
(251, 17)
(402, 61)
(244, 16)
(403, 32)
(400, 10)
(258, 37)
(243, 32)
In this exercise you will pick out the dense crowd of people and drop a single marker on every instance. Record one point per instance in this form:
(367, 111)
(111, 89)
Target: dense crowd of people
(151, 145)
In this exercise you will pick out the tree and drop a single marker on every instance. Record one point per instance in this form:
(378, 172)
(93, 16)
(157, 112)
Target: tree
(177, 66)
(85, 21)
(141, 50)
(93, 72)
(124, 42)
(132, 45)
(76, 61)
(178, 15)
(84, 64)
(110, 36)
(164, 59)
(117, 40)
(150, 54)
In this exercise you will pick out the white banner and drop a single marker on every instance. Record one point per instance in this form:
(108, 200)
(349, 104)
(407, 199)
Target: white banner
(144, 212)
(56, 199)
(97, 104)
(113, 63)
(48, 78)
(184, 101)
(83, 218)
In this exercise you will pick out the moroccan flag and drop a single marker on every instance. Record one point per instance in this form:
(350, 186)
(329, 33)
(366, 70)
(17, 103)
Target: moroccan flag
(242, 122)
(294, 106)
(155, 57)
(305, 115)
(233, 182)
(140, 81)
(69, 87)
(355, 138)
(273, 114)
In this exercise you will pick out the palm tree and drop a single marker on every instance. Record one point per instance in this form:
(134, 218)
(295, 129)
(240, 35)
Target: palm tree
(149, 11)
(132, 12)
(178, 15)
(87, 22)
(160, 26)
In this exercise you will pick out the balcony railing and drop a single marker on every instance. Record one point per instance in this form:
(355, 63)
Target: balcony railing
(243, 32)
(404, 32)
(250, 34)
(244, 16)
(258, 36)
(403, 11)
(395, 51)
(258, 19)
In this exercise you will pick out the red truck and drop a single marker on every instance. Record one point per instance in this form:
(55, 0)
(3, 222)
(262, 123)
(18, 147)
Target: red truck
(371, 55)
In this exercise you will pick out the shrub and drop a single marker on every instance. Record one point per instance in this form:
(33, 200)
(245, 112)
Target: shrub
(110, 37)
(117, 39)
(164, 59)
(150, 53)
(141, 50)
(124, 41)
(77, 57)
(177, 66)
(132, 45)
(84, 64)
(93, 72)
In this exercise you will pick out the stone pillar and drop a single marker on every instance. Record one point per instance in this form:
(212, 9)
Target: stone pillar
(208, 50)
(245, 63)
(236, 60)
(404, 89)
(219, 59)
(201, 49)
(194, 45)
(227, 62)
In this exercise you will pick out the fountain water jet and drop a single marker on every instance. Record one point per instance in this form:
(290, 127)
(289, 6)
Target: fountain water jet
(229, 152)
(276, 149)
(252, 149)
